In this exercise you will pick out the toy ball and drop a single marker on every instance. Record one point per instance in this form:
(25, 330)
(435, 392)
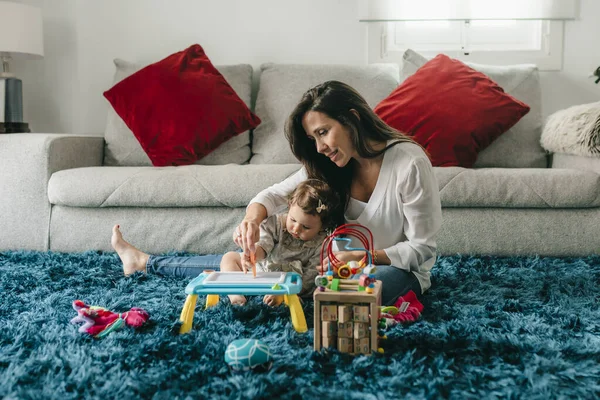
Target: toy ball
(248, 354)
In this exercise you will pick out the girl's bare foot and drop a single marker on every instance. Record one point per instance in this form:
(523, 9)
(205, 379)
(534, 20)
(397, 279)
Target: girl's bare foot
(133, 259)
(237, 299)
(272, 300)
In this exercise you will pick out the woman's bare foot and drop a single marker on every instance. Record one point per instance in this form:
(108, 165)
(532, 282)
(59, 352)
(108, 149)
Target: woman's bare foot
(237, 299)
(272, 300)
(133, 259)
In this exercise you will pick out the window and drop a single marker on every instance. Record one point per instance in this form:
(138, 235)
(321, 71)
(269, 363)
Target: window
(468, 30)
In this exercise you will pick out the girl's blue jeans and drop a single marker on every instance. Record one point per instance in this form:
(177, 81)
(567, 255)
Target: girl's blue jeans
(396, 282)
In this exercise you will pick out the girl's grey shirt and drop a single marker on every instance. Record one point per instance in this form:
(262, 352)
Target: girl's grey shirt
(288, 254)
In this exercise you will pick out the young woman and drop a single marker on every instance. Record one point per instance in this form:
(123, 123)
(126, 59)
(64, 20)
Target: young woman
(383, 178)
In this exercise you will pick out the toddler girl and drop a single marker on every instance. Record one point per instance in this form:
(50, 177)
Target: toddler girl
(291, 242)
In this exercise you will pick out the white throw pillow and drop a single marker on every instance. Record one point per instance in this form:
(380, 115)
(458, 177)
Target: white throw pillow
(575, 130)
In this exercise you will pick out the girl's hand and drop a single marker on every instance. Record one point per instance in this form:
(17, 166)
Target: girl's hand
(246, 235)
(246, 264)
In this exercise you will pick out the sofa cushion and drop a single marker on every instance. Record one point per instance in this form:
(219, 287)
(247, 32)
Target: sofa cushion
(180, 108)
(282, 86)
(453, 111)
(519, 147)
(188, 186)
(518, 188)
(200, 230)
(122, 147)
(235, 185)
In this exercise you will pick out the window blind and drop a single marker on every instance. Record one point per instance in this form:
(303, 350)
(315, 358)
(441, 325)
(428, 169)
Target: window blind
(428, 10)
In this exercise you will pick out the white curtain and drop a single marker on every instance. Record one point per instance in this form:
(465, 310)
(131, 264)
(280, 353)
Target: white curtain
(402, 10)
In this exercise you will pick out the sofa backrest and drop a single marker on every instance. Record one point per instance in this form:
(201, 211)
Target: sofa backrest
(282, 86)
(519, 147)
(122, 148)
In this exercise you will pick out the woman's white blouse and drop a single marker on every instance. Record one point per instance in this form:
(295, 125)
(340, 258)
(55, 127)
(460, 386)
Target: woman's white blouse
(404, 212)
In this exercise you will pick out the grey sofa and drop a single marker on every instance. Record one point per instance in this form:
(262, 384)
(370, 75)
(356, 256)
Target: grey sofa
(64, 192)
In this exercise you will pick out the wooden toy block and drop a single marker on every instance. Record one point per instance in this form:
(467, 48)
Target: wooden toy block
(329, 312)
(345, 345)
(330, 342)
(345, 313)
(361, 313)
(362, 346)
(361, 330)
(345, 329)
(369, 303)
(329, 329)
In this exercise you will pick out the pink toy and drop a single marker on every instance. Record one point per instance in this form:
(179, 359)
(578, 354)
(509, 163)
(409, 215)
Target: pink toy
(99, 322)
(406, 309)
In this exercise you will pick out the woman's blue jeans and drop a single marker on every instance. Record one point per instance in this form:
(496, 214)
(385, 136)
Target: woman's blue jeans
(185, 266)
(396, 282)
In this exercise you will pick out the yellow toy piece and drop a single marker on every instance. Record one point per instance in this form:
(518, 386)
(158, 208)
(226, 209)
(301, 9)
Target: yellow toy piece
(211, 300)
(389, 310)
(187, 314)
(344, 271)
(296, 312)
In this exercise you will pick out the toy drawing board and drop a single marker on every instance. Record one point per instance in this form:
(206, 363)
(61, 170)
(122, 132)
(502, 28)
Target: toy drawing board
(277, 283)
(231, 278)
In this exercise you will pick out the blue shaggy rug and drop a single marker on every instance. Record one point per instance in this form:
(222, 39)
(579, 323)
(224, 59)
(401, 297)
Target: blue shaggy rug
(492, 328)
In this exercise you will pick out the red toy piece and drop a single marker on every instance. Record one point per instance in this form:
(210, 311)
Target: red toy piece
(99, 322)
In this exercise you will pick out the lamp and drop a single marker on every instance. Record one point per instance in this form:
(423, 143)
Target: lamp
(20, 38)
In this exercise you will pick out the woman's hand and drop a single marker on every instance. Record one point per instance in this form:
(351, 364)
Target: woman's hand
(344, 257)
(246, 235)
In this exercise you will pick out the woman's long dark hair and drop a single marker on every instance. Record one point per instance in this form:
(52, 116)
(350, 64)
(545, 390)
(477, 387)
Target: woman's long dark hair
(336, 100)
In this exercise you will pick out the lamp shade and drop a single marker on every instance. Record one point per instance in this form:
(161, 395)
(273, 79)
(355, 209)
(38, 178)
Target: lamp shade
(21, 31)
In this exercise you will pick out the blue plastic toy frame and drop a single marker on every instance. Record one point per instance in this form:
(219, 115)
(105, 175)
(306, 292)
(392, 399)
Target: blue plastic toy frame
(275, 283)
(213, 284)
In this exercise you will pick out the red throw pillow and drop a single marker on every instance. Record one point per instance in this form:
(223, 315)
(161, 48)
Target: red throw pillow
(451, 110)
(180, 108)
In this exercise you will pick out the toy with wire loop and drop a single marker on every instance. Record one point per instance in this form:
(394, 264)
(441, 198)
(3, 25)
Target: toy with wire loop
(338, 274)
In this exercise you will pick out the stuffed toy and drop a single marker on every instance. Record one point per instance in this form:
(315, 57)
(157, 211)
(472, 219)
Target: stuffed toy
(406, 309)
(99, 322)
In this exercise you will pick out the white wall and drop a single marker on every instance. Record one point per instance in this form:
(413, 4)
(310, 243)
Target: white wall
(47, 84)
(63, 92)
(581, 57)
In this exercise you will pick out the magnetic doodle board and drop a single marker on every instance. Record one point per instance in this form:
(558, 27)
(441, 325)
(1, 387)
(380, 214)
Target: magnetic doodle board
(246, 279)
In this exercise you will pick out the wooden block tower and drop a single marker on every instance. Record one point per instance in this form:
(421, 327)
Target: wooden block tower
(347, 319)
